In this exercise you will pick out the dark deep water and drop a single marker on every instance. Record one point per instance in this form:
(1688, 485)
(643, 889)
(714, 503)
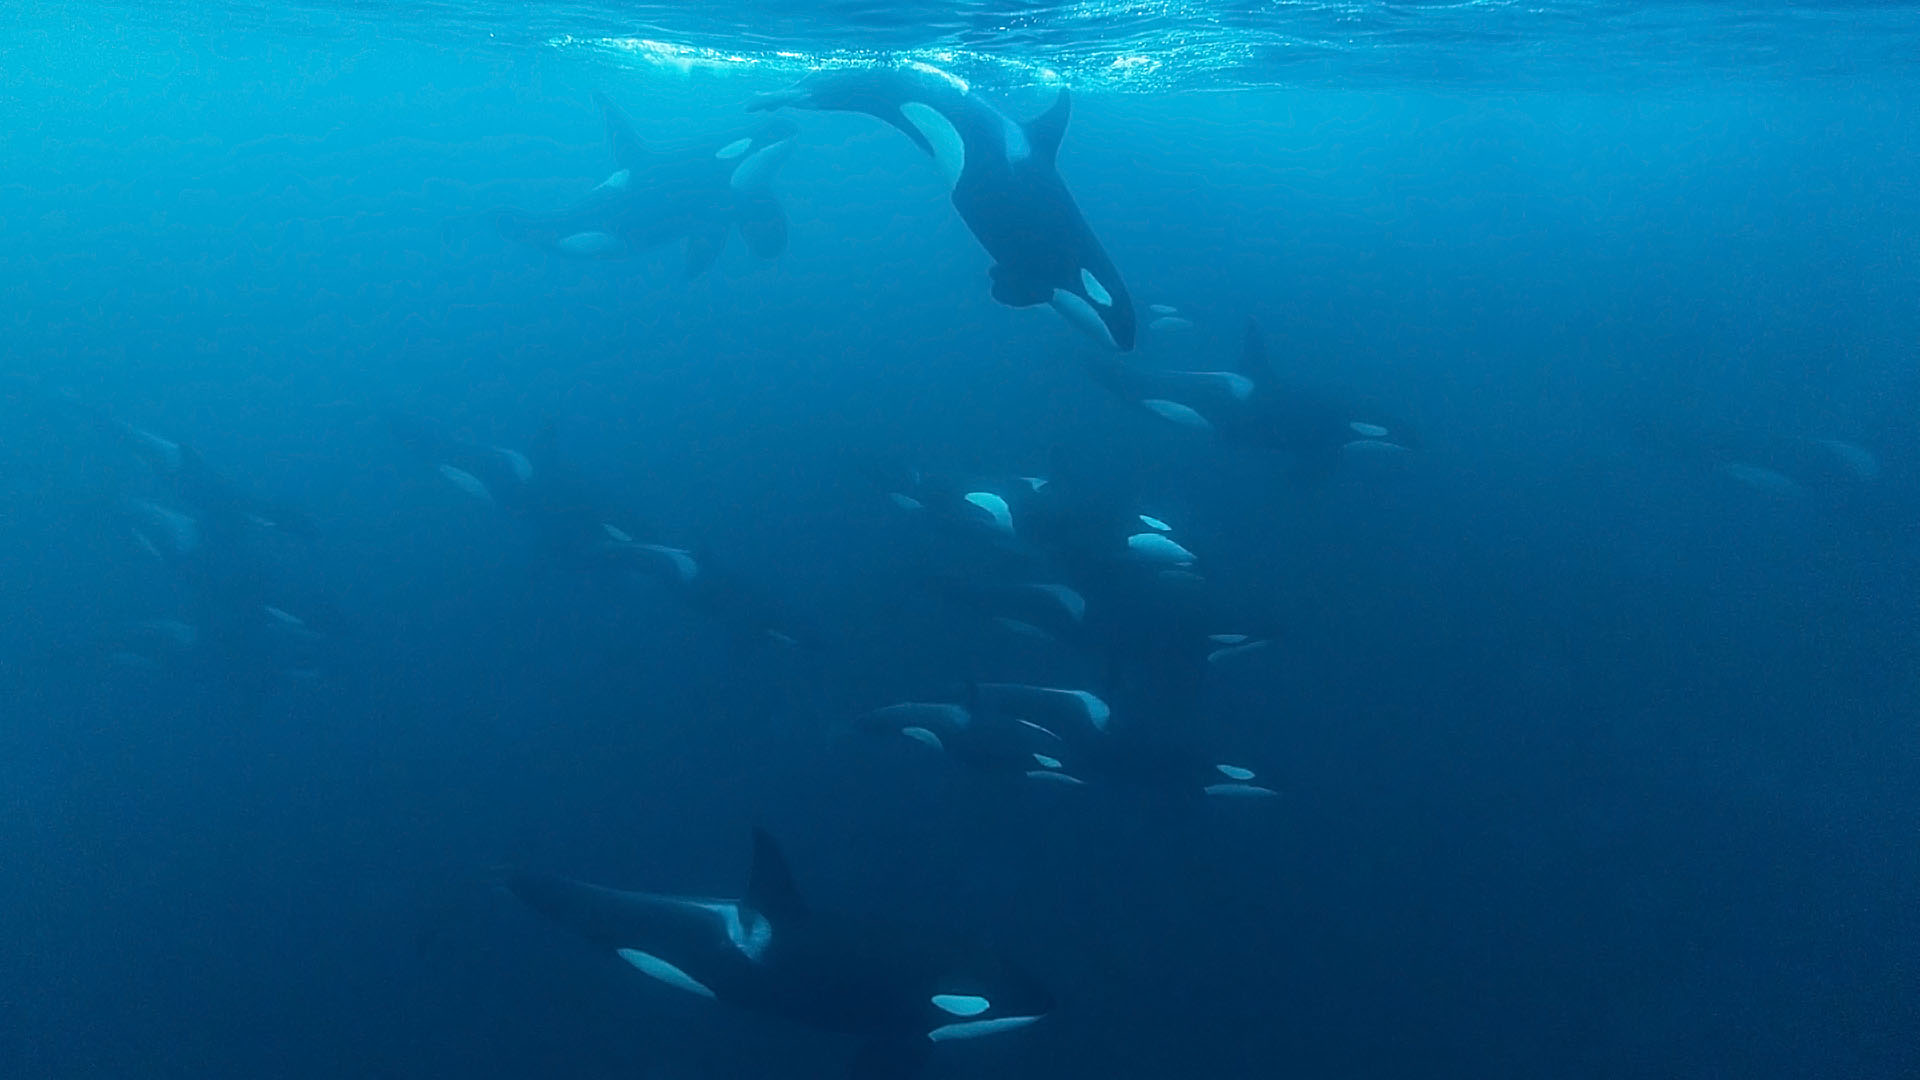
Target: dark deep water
(1593, 718)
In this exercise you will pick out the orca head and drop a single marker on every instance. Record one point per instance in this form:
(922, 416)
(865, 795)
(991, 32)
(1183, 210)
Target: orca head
(932, 723)
(979, 994)
(1095, 302)
(1371, 435)
(753, 160)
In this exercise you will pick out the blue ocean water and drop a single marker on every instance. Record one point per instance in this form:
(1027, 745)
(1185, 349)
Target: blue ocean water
(353, 550)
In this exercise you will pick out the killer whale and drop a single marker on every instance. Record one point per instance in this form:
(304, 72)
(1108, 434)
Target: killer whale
(1251, 406)
(573, 524)
(656, 197)
(1004, 182)
(218, 504)
(897, 987)
(1772, 463)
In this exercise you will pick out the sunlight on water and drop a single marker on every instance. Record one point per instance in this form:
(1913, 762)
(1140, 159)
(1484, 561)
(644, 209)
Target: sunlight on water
(1157, 45)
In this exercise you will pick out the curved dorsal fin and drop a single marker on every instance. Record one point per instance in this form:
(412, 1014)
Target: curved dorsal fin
(1045, 131)
(628, 151)
(770, 888)
(1253, 354)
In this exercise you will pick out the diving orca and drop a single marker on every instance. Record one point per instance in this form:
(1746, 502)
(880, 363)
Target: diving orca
(899, 988)
(1250, 406)
(655, 197)
(1004, 182)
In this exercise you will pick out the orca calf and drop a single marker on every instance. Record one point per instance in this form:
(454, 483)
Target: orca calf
(656, 197)
(1004, 182)
(899, 988)
(1250, 406)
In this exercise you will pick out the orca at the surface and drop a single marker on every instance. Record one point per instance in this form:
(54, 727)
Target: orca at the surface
(657, 197)
(899, 988)
(1004, 181)
(1251, 406)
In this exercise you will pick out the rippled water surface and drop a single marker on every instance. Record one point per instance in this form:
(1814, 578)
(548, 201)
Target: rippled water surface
(1155, 45)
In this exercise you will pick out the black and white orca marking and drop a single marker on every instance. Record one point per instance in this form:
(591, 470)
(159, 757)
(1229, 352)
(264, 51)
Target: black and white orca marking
(654, 198)
(987, 741)
(899, 988)
(1156, 768)
(1250, 406)
(1051, 706)
(1004, 181)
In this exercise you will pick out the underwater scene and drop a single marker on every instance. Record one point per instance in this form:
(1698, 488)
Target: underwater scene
(997, 538)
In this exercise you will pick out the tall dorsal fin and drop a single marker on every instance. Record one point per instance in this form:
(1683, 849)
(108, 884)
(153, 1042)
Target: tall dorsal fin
(1253, 354)
(770, 889)
(628, 151)
(1045, 131)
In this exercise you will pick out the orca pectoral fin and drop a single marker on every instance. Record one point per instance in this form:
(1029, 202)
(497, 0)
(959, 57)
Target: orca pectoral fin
(1014, 290)
(703, 250)
(899, 1058)
(763, 225)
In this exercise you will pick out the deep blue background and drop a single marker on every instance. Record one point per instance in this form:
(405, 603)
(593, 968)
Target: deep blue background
(1592, 766)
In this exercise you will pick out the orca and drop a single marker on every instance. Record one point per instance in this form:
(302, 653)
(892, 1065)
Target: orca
(501, 476)
(897, 987)
(1251, 406)
(220, 505)
(746, 609)
(1072, 527)
(1038, 611)
(1786, 466)
(1005, 185)
(655, 197)
(1158, 768)
(987, 741)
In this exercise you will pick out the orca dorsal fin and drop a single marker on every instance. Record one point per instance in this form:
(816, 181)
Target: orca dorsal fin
(628, 151)
(1045, 131)
(770, 888)
(1253, 354)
